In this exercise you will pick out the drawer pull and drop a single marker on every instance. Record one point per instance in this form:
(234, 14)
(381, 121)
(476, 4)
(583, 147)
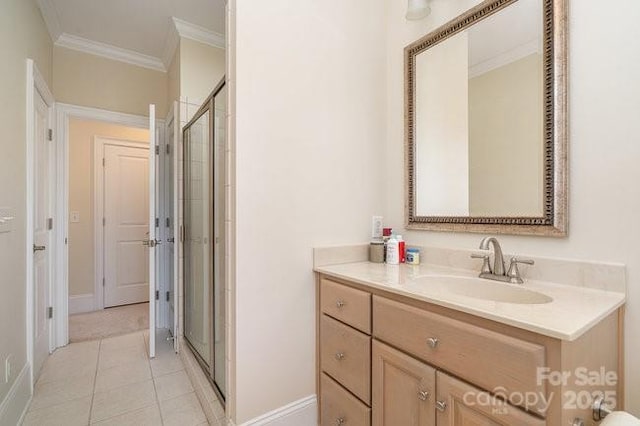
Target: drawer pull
(340, 421)
(423, 395)
(339, 356)
(441, 405)
(340, 304)
(432, 342)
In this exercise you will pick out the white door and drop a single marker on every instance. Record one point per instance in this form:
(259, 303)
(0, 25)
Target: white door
(152, 242)
(126, 220)
(171, 176)
(42, 224)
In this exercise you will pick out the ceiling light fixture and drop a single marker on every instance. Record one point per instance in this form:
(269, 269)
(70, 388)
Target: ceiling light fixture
(417, 9)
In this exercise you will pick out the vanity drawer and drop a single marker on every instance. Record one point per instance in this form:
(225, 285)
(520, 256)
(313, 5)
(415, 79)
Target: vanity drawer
(345, 355)
(483, 357)
(346, 304)
(339, 407)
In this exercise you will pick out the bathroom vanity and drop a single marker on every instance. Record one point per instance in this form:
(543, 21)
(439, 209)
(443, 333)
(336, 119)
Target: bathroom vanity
(434, 345)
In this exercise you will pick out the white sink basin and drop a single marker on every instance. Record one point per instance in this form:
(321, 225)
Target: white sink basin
(478, 288)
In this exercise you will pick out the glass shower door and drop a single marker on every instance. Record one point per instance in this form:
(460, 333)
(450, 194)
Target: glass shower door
(197, 241)
(204, 237)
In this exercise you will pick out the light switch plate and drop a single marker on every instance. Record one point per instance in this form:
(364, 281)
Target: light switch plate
(74, 217)
(7, 219)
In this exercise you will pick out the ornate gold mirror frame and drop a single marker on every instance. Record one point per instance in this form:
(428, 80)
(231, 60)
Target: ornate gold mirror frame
(554, 220)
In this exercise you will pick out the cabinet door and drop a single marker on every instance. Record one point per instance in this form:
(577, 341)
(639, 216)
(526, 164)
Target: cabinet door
(403, 391)
(460, 404)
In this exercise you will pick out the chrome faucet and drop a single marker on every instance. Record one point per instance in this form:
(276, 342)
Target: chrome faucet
(497, 273)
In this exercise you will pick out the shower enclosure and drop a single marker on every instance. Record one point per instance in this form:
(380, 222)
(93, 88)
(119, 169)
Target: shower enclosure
(203, 237)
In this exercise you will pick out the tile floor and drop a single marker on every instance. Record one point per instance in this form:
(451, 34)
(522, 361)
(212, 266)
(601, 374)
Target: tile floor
(113, 382)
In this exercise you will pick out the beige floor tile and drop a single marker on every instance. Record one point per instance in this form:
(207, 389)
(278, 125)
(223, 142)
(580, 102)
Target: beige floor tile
(78, 359)
(148, 416)
(121, 342)
(112, 357)
(122, 400)
(165, 363)
(172, 385)
(70, 413)
(48, 394)
(121, 375)
(182, 411)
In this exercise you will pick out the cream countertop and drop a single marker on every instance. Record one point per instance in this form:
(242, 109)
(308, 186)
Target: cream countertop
(573, 311)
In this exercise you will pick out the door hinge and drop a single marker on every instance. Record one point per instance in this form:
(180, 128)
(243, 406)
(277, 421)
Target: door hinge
(104, 221)
(50, 312)
(157, 149)
(104, 163)
(157, 222)
(66, 241)
(168, 296)
(50, 223)
(168, 149)
(103, 281)
(157, 294)
(50, 134)
(182, 233)
(167, 222)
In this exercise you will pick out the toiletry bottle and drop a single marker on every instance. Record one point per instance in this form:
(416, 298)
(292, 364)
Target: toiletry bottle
(401, 250)
(393, 254)
(386, 234)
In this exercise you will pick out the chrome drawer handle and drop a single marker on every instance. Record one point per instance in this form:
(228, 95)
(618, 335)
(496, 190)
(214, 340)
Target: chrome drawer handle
(340, 421)
(423, 395)
(432, 342)
(441, 405)
(339, 356)
(340, 303)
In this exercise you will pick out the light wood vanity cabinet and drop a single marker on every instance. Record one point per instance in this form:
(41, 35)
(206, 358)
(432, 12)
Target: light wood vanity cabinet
(390, 360)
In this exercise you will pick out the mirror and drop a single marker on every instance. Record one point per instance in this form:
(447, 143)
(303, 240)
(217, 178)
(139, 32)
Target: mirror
(486, 121)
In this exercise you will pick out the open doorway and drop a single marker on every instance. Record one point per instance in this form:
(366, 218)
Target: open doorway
(108, 220)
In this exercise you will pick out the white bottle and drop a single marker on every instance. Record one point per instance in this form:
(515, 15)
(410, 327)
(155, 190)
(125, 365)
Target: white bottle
(393, 252)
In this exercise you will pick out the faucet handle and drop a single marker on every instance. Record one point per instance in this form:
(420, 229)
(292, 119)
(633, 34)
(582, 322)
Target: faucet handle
(486, 268)
(514, 272)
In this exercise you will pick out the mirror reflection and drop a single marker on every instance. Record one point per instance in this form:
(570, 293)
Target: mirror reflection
(479, 119)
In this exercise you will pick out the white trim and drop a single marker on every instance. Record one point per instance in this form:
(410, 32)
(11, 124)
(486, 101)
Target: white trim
(99, 143)
(81, 303)
(14, 406)
(197, 33)
(505, 58)
(153, 264)
(51, 19)
(36, 83)
(170, 46)
(296, 413)
(108, 51)
(61, 285)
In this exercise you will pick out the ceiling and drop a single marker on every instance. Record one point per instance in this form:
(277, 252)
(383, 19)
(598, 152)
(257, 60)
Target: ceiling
(144, 27)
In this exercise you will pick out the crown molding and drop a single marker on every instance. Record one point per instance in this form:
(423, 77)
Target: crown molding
(519, 52)
(50, 16)
(194, 32)
(110, 52)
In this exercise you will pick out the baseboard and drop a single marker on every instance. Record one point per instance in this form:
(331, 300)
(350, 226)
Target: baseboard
(302, 412)
(15, 404)
(81, 303)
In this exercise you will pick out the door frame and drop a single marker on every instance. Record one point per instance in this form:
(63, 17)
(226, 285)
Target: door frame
(99, 143)
(64, 113)
(37, 84)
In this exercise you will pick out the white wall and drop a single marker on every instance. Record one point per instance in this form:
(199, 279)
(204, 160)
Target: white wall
(604, 148)
(309, 105)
